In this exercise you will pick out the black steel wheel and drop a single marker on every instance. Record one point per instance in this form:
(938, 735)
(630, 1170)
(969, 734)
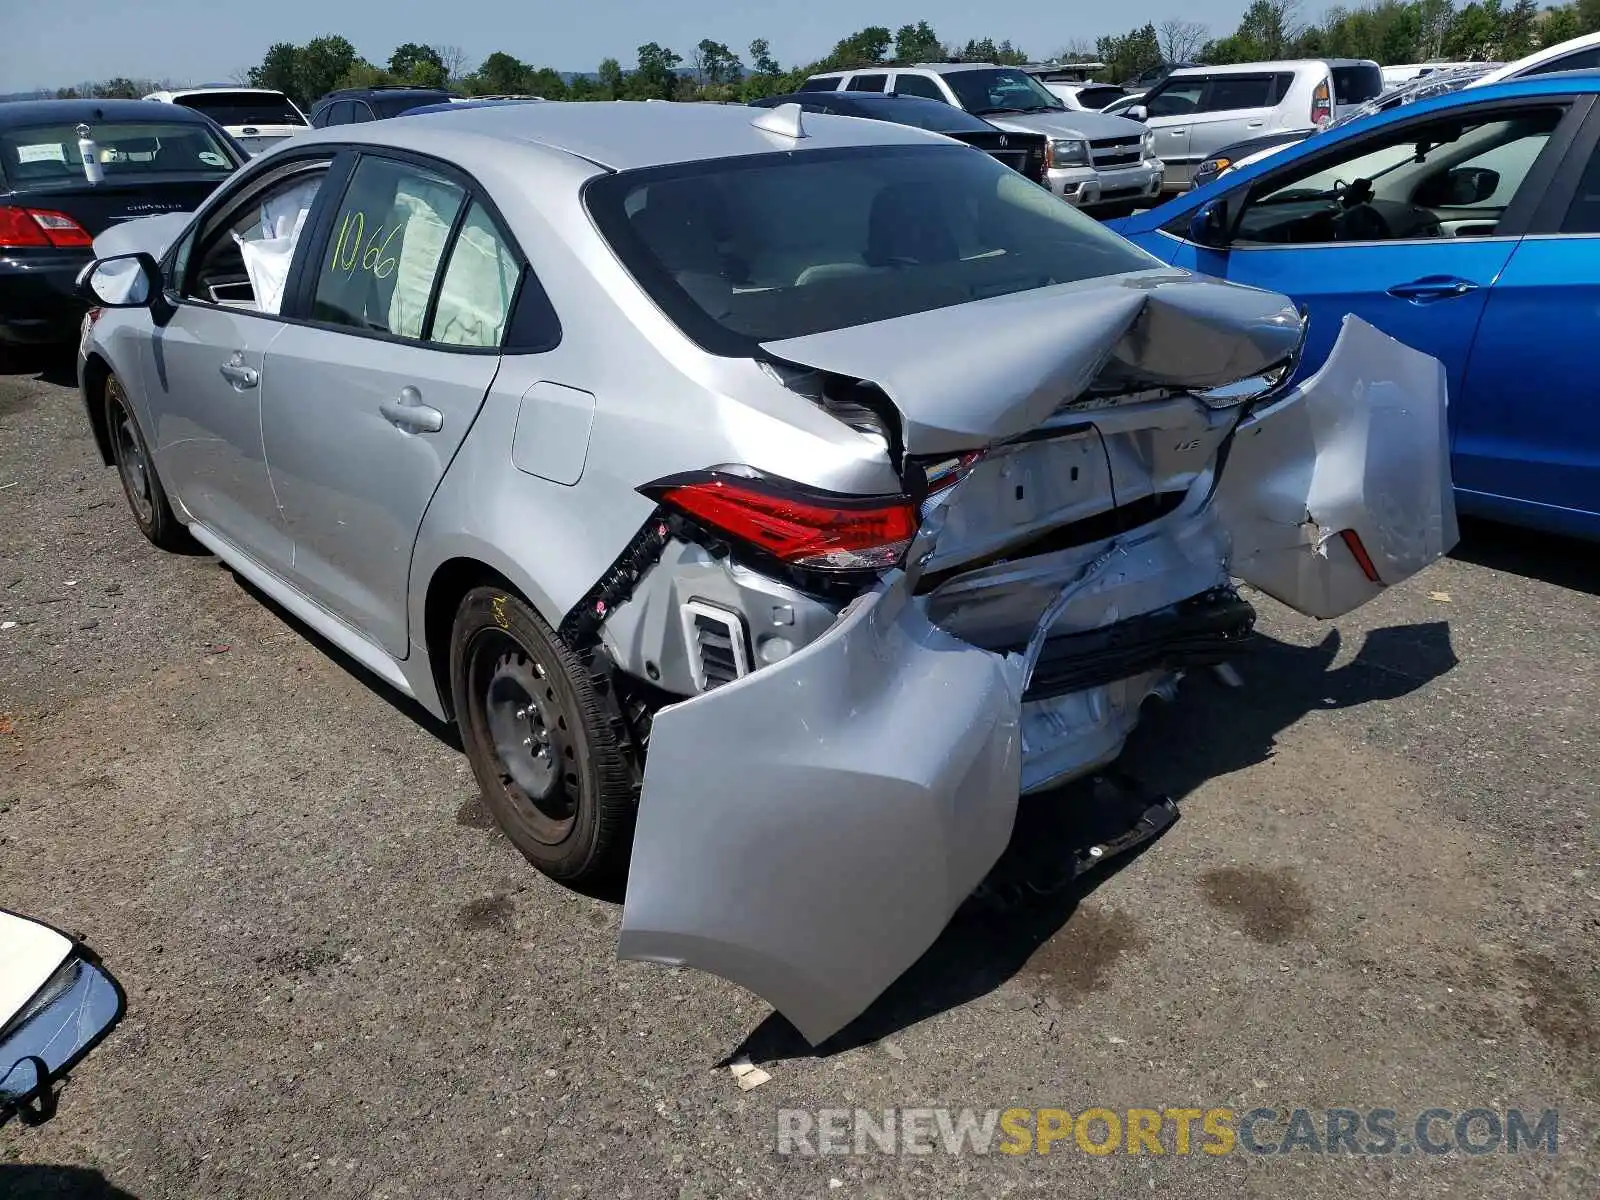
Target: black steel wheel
(147, 499)
(545, 747)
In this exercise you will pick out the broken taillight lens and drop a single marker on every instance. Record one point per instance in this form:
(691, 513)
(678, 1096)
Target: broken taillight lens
(1352, 541)
(800, 526)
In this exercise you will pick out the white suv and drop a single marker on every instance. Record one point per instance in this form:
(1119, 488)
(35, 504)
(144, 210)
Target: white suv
(258, 118)
(1197, 111)
(1093, 161)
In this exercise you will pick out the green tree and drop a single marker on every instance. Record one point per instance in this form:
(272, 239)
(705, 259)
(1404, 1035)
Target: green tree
(363, 74)
(279, 69)
(1133, 52)
(610, 83)
(917, 43)
(1519, 33)
(761, 60)
(1559, 25)
(864, 48)
(408, 56)
(980, 50)
(320, 64)
(546, 82)
(1475, 34)
(656, 76)
(715, 64)
(500, 74)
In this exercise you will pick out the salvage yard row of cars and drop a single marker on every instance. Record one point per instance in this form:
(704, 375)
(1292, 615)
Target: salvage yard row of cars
(689, 456)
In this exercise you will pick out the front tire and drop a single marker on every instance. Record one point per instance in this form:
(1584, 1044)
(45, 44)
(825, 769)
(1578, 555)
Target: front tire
(541, 741)
(147, 499)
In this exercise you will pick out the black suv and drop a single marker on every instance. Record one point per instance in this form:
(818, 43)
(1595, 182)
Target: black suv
(349, 105)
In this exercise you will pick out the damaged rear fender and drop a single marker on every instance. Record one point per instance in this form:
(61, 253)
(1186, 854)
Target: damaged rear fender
(1355, 460)
(807, 831)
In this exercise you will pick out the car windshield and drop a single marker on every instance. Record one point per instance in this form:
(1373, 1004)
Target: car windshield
(244, 108)
(49, 154)
(748, 250)
(999, 90)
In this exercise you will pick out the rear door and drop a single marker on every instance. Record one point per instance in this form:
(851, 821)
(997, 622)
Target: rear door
(404, 303)
(1234, 107)
(1527, 444)
(1423, 283)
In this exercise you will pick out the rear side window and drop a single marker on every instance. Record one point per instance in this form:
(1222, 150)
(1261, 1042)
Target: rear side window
(393, 106)
(479, 285)
(1578, 60)
(918, 85)
(820, 85)
(386, 248)
(748, 250)
(866, 83)
(1228, 92)
(1357, 84)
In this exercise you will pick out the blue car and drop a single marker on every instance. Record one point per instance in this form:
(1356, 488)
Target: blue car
(1467, 226)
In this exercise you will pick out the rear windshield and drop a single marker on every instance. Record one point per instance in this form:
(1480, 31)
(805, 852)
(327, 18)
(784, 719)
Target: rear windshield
(746, 250)
(1357, 84)
(244, 108)
(922, 114)
(41, 155)
(393, 106)
(1099, 97)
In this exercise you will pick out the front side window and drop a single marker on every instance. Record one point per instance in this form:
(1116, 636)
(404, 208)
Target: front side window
(244, 263)
(743, 251)
(1418, 181)
(1578, 60)
(907, 84)
(385, 249)
(479, 285)
(1001, 90)
(126, 150)
(1175, 98)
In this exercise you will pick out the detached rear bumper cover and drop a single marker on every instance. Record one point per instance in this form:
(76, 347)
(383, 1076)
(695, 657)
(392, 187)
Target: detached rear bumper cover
(807, 830)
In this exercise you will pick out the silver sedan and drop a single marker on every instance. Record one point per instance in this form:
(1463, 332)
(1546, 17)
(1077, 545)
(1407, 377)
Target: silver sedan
(770, 499)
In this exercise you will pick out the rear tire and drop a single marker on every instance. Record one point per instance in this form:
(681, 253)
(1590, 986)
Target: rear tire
(147, 499)
(543, 745)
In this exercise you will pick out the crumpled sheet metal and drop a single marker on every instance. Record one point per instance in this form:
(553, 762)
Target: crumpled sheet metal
(1361, 445)
(880, 766)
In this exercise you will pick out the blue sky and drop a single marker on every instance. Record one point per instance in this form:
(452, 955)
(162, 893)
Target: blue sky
(200, 41)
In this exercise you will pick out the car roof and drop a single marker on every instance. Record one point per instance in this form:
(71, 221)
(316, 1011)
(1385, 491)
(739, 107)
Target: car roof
(1512, 70)
(1254, 68)
(174, 93)
(932, 68)
(361, 93)
(620, 135)
(14, 113)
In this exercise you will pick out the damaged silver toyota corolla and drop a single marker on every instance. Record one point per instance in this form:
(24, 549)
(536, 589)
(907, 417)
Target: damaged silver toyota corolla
(789, 496)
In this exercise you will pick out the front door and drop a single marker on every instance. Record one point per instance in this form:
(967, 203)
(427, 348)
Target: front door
(205, 369)
(372, 396)
(1413, 247)
(1527, 444)
(1169, 112)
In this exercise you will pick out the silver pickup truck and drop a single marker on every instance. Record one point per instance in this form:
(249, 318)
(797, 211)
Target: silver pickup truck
(1104, 164)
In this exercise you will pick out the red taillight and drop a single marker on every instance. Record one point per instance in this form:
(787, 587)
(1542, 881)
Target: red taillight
(40, 227)
(1352, 539)
(797, 525)
(1322, 104)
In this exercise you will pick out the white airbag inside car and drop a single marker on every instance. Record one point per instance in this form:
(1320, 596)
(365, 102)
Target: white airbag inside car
(267, 257)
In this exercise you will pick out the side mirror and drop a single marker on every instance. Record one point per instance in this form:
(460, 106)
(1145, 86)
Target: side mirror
(1136, 112)
(1209, 225)
(1466, 186)
(121, 281)
(56, 1004)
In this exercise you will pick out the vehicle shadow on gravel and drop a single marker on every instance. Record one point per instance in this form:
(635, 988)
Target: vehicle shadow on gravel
(38, 1182)
(52, 364)
(1565, 562)
(1211, 731)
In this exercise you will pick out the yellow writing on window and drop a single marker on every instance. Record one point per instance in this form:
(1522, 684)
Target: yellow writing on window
(353, 250)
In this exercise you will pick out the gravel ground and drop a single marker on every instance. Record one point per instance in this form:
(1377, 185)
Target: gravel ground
(342, 981)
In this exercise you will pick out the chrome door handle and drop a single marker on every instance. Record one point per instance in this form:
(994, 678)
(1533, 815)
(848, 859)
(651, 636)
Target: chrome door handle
(1432, 287)
(1177, 131)
(1256, 125)
(241, 376)
(408, 412)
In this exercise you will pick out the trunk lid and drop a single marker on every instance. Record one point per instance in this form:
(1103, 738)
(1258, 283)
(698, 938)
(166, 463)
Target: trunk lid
(98, 207)
(968, 375)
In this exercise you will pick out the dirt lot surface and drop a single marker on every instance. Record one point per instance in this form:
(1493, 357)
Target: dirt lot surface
(1383, 893)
